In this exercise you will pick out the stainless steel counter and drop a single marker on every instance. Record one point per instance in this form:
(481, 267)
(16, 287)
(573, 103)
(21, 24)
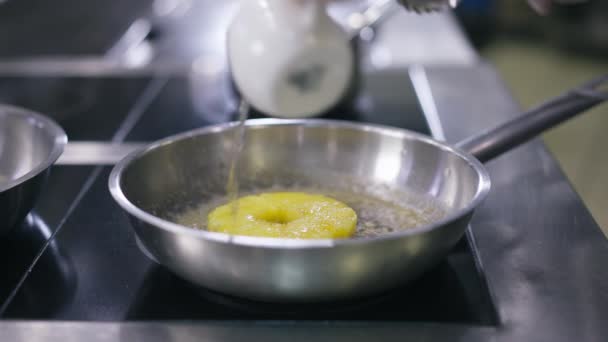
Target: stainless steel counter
(196, 37)
(543, 255)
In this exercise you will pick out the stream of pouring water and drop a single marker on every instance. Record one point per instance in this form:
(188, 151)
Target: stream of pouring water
(238, 141)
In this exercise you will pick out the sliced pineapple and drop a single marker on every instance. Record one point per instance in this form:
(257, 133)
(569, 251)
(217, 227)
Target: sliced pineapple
(294, 215)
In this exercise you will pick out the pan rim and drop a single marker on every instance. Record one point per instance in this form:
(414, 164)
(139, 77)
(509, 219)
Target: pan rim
(59, 140)
(483, 187)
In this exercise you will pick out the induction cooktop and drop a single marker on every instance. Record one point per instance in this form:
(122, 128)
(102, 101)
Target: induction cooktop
(76, 258)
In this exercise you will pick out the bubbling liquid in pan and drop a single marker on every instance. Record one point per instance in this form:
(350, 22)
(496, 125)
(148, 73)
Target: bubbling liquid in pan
(375, 216)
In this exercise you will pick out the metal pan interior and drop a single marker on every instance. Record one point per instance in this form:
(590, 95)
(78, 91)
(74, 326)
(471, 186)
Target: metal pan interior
(387, 175)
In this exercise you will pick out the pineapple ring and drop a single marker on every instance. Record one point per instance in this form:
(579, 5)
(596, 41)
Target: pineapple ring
(295, 215)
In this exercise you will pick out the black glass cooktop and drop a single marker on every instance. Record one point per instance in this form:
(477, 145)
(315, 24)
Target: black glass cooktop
(75, 257)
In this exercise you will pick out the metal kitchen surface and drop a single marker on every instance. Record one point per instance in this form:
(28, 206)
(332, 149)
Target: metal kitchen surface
(62, 28)
(93, 270)
(531, 268)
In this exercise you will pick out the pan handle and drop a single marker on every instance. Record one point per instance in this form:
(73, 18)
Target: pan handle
(511, 134)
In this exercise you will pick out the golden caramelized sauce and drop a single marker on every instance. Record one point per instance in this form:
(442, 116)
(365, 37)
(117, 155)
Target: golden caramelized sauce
(375, 216)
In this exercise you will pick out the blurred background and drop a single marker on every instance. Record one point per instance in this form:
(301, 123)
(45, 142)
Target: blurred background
(540, 56)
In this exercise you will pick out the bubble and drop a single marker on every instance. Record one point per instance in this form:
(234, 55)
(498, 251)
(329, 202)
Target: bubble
(380, 209)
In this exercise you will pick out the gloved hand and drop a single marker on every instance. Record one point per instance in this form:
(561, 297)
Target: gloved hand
(543, 6)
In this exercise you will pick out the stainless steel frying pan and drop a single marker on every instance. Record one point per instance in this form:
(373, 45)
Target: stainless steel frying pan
(188, 168)
(29, 144)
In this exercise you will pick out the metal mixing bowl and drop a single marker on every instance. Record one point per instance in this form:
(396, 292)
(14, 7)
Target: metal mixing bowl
(29, 144)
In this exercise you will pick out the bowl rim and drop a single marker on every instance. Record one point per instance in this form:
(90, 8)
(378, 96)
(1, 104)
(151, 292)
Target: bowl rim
(42, 122)
(114, 184)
